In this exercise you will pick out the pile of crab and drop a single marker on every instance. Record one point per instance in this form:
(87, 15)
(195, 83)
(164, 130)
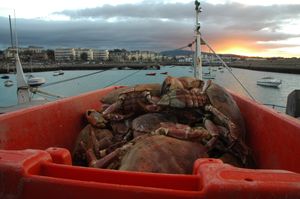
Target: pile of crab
(163, 128)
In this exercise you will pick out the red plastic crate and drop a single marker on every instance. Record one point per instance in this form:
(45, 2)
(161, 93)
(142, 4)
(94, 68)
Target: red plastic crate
(35, 161)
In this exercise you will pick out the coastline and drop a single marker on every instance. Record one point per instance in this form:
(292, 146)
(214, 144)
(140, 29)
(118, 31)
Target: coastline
(280, 65)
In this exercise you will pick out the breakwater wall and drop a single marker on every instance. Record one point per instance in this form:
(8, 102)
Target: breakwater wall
(280, 65)
(80, 66)
(54, 67)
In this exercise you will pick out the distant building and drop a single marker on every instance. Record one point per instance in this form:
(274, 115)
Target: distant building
(9, 52)
(101, 55)
(64, 54)
(144, 56)
(30, 50)
(80, 51)
(33, 49)
(31, 53)
(138, 56)
(69, 54)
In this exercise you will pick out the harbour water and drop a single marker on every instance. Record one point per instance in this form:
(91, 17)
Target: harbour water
(70, 85)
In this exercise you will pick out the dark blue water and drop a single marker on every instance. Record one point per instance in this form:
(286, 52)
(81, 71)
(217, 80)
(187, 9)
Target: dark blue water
(265, 95)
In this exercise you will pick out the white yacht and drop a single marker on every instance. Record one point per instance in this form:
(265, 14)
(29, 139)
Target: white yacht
(56, 73)
(36, 81)
(269, 81)
(8, 83)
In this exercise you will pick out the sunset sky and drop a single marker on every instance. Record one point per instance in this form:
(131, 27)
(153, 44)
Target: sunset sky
(246, 27)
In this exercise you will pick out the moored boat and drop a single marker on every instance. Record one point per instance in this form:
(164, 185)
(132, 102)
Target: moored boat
(56, 73)
(4, 77)
(36, 81)
(8, 83)
(269, 81)
(151, 74)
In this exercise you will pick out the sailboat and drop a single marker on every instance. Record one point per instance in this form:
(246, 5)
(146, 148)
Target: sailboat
(25, 87)
(36, 162)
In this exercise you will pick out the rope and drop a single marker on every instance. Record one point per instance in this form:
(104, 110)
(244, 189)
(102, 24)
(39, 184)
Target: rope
(229, 69)
(38, 91)
(275, 105)
(189, 45)
(131, 74)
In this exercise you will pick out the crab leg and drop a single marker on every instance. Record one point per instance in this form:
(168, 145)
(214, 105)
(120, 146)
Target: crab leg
(111, 157)
(237, 146)
(214, 131)
(206, 86)
(226, 120)
(112, 108)
(91, 157)
(182, 131)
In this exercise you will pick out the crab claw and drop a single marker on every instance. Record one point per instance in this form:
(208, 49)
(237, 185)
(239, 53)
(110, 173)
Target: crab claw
(226, 121)
(206, 85)
(181, 131)
(172, 99)
(214, 131)
(95, 118)
(170, 83)
(112, 108)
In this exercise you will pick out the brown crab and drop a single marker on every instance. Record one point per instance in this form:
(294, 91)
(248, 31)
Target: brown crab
(144, 151)
(113, 96)
(215, 100)
(154, 153)
(131, 102)
(150, 122)
(101, 139)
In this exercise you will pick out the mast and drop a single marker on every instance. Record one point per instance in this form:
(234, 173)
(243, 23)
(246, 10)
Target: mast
(23, 92)
(11, 36)
(197, 57)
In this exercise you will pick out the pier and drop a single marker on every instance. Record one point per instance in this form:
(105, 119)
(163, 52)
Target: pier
(291, 65)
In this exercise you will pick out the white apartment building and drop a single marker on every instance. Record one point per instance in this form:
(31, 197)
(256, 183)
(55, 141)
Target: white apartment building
(64, 54)
(9, 52)
(144, 56)
(80, 51)
(101, 55)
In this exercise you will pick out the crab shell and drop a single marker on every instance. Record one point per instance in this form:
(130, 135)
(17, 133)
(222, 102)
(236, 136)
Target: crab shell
(150, 122)
(183, 98)
(78, 154)
(113, 96)
(162, 154)
(171, 83)
(224, 102)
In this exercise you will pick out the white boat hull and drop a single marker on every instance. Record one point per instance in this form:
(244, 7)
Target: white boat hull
(270, 84)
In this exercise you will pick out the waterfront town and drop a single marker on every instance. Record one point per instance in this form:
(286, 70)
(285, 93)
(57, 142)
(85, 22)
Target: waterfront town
(35, 58)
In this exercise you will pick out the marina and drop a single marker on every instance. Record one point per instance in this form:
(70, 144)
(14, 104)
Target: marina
(264, 95)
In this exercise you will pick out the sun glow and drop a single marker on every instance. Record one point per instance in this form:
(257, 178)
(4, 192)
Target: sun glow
(238, 51)
(260, 52)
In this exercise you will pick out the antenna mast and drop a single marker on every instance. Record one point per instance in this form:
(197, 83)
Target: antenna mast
(197, 57)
